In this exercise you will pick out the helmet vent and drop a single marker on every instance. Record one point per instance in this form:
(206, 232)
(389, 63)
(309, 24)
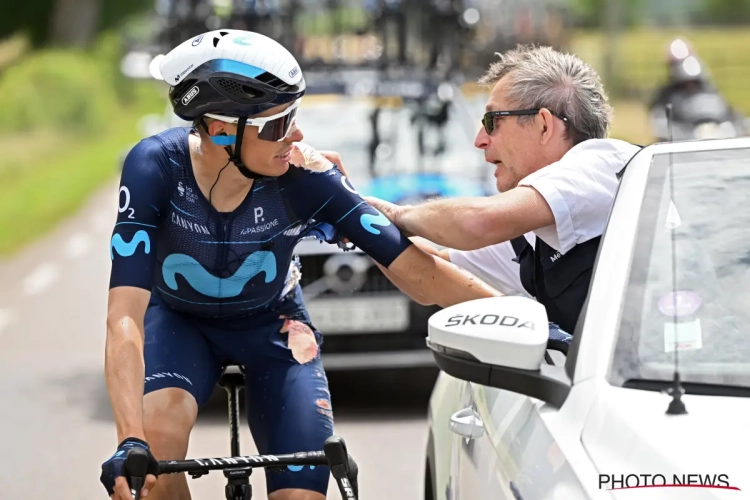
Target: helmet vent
(235, 91)
(274, 82)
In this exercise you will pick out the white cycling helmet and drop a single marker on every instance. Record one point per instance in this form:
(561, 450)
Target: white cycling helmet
(233, 75)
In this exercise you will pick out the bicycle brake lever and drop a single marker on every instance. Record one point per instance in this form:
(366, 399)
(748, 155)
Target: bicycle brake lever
(338, 460)
(136, 466)
(353, 473)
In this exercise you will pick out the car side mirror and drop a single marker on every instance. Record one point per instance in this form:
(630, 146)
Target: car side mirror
(498, 342)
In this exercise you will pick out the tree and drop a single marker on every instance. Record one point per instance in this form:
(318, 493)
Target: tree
(725, 12)
(591, 13)
(74, 22)
(68, 22)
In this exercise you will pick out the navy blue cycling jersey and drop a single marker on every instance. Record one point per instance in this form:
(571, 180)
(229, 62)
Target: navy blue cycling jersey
(170, 240)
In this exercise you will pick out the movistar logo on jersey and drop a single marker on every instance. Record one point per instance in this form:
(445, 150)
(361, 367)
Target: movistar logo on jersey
(128, 249)
(370, 220)
(219, 288)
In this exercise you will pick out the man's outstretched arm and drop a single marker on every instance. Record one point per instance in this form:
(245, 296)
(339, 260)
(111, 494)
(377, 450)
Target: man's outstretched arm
(430, 279)
(471, 223)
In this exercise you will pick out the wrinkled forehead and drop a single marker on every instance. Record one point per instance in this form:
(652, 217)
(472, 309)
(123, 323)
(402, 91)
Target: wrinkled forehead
(497, 100)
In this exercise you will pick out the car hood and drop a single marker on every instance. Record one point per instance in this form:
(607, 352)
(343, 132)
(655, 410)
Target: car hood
(628, 432)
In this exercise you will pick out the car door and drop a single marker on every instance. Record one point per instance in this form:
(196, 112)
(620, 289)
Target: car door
(482, 471)
(516, 456)
(448, 396)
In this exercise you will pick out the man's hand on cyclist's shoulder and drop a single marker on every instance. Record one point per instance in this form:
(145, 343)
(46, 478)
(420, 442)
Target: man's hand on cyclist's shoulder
(304, 155)
(113, 471)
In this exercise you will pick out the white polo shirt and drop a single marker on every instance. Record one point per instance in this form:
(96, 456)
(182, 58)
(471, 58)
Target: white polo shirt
(580, 189)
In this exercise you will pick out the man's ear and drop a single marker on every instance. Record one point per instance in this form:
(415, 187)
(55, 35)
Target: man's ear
(549, 127)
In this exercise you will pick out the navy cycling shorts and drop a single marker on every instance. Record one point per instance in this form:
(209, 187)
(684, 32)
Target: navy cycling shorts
(288, 402)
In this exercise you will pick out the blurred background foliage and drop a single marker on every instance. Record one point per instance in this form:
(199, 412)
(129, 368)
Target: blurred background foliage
(68, 111)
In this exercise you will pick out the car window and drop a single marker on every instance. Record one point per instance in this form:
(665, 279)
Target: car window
(707, 263)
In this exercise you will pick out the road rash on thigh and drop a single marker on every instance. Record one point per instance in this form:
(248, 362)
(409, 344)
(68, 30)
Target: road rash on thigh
(300, 339)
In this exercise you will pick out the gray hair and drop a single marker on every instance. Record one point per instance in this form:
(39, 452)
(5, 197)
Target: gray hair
(541, 77)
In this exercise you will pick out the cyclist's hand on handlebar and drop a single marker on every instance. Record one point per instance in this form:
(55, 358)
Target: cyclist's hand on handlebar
(113, 471)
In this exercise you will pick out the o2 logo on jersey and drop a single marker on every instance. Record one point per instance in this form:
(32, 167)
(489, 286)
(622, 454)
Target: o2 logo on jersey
(125, 204)
(347, 185)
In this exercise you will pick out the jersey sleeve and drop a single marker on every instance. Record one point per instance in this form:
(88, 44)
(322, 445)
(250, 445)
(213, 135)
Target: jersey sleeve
(329, 197)
(143, 196)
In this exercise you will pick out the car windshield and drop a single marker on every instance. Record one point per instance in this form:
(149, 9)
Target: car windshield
(710, 267)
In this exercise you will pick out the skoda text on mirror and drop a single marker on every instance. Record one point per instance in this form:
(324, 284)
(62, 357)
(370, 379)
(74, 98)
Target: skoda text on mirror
(488, 319)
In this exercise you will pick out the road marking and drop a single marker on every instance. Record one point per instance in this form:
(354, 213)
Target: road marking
(6, 317)
(78, 245)
(102, 221)
(42, 277)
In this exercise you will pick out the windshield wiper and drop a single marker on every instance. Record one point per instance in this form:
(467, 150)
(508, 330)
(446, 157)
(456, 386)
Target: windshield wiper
(695, 388)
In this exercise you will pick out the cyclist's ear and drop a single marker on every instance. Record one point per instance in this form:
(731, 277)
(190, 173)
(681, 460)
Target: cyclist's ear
(219, 128)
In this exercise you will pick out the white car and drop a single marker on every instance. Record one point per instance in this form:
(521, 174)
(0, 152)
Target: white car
(510, 419)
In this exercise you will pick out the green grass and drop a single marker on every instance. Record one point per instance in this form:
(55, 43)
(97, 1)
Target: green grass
(11, 49)
(631, 122)
(641, 64)
(39, 190)
(642, 56)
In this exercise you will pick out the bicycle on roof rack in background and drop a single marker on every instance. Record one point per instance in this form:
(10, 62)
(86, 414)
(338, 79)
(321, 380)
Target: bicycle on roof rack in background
(238, 469)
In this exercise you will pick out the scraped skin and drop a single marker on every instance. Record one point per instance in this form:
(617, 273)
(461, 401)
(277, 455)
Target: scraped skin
(306, 156)
(301, 340)
(325, 408)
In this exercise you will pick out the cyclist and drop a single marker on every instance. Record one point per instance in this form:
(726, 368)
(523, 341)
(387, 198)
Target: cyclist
(203, 272)
(685, 73)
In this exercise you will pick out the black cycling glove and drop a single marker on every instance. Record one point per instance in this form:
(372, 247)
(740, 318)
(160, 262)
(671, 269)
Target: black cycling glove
(115, 466)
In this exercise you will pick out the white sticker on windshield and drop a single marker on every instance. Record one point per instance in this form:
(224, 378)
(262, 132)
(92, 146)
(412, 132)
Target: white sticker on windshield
(686, 336)
(673, 218)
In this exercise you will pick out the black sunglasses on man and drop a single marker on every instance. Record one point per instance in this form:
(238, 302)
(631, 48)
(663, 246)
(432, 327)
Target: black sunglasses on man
(488, 120)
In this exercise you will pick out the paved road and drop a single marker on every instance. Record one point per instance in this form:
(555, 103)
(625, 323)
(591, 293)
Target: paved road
(55, 421)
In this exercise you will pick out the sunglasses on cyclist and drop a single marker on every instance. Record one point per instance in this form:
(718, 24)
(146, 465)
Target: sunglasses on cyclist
(272, 128)
(488, 120)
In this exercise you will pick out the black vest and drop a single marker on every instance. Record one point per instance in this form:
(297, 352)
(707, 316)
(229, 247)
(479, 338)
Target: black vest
(559, 282)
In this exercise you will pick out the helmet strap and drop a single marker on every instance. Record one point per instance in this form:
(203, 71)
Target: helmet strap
(235, 156)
